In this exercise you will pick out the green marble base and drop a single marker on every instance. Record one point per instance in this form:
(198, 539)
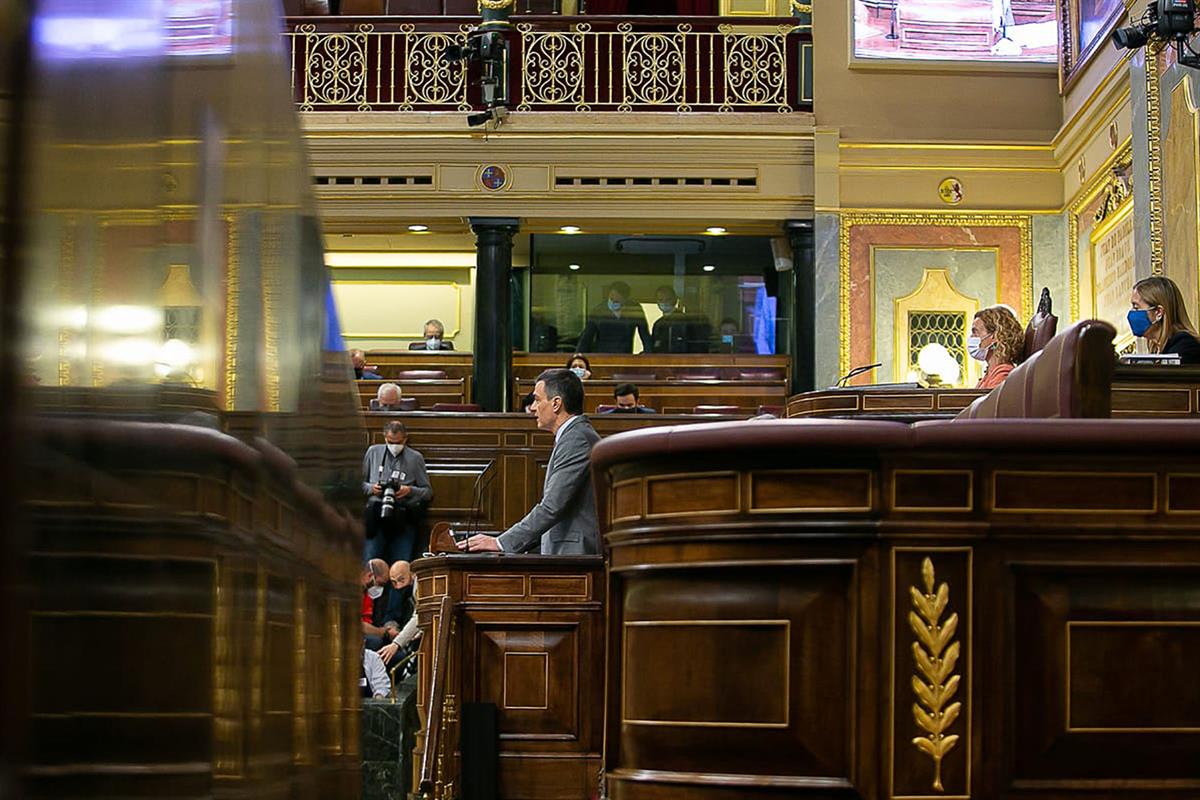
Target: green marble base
(388, 735)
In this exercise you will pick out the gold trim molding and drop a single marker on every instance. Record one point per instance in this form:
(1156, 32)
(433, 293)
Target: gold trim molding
(1154, 157)
(848, 219)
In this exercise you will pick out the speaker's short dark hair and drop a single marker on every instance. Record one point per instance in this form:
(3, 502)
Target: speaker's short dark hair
(626, 388)
(395, 426)
(565, 384)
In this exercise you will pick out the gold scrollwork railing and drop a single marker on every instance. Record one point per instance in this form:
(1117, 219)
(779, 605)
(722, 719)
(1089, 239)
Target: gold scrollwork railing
(628, 70)
(556, 64)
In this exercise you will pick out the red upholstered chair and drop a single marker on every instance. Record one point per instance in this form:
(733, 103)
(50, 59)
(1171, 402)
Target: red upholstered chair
(776, 410)
(695, 376)
(1041, 327)
(469, 407)
(605, 409)
(421, 375)
(421, 345)
(1070, 377)
(716, 410)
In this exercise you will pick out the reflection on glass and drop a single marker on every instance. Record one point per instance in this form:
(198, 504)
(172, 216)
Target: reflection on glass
(958, 30)
(664, 294)
(85, 29)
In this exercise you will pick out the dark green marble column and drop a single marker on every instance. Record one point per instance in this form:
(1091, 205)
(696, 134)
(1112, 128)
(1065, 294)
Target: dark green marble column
(804, 328)
(492, 375)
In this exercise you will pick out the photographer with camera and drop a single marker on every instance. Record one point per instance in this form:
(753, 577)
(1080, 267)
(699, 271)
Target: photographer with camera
(398, 492)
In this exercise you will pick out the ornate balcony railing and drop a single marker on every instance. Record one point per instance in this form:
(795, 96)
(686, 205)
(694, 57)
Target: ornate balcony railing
(556, 64)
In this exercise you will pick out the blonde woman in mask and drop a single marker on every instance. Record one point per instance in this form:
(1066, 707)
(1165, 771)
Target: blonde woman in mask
(997, 340)
(1158, 315)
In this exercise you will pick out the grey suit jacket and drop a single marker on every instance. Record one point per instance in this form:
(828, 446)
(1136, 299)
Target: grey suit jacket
(565, 518)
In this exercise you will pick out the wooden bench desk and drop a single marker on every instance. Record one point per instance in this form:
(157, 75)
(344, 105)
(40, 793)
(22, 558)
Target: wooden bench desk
(427, 392)
(680, 397)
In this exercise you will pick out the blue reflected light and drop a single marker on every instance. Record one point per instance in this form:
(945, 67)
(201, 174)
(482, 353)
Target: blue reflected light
(83, 30)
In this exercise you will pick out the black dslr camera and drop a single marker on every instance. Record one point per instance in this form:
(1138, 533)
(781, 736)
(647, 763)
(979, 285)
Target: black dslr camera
(389, 495)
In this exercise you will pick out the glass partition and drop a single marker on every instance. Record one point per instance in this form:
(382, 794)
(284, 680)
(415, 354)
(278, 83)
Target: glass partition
(665, 294)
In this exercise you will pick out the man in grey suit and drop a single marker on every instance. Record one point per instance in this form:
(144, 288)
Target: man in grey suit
(564, 521)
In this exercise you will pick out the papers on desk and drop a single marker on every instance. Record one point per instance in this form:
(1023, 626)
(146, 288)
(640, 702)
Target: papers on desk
(1157, 359)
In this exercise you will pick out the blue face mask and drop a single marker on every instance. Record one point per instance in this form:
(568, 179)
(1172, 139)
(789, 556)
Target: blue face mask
(1139, 321)
(666, 308)
(726, 338)
(614, 305)
(580, 372)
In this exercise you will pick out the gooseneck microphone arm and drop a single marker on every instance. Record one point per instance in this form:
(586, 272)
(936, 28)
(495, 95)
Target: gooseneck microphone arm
(857, 371)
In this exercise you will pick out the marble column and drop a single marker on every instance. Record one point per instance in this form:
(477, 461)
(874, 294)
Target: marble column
(492, 375)
(803, 334)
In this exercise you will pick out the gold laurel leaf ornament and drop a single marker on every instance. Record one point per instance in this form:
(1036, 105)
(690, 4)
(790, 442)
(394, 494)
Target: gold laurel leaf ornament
(936, 655)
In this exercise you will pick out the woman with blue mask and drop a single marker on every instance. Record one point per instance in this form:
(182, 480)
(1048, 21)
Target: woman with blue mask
(1157, 314)
(580, 365)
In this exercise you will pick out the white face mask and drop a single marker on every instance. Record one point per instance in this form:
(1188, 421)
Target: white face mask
(433, 343)
(395, 449)
(976, 351)
(580, 372)
(375, 592)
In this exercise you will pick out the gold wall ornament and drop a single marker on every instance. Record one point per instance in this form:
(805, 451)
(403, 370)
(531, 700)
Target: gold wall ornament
(1119, 161)
(494, 5)
(1116, 191)
(803, 8)
(935, 684)
(950, 190)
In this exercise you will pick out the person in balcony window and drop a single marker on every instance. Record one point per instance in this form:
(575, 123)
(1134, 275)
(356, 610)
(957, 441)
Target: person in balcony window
(1159, 316)
(611, 325)
(998, 340)
(580, 365)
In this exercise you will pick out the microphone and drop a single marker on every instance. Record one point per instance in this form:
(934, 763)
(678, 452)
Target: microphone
(483, 492)
(476, 511)
(857, 371)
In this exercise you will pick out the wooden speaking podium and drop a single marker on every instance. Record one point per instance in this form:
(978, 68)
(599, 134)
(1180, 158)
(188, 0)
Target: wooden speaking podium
(525, 632)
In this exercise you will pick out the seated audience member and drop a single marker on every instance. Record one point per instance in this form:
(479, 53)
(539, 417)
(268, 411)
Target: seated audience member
(564, 520)
(527, 403)
(435, 333)
(374, 680)
(1159, 316)
(400, 618)
(393, 470)
(732, 341)
(387, 398)
(998, 340)
(358, 359)
(374, 603)
(610, 326)
(626, 395)
(580, 365)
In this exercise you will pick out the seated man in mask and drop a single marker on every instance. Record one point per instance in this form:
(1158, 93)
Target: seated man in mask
(435, 337)
(387, 398)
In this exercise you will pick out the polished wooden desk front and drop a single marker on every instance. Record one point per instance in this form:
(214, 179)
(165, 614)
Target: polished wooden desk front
(680, 397)
(459, 448)
(820, 609)
(527, 634)
(1137, 392)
